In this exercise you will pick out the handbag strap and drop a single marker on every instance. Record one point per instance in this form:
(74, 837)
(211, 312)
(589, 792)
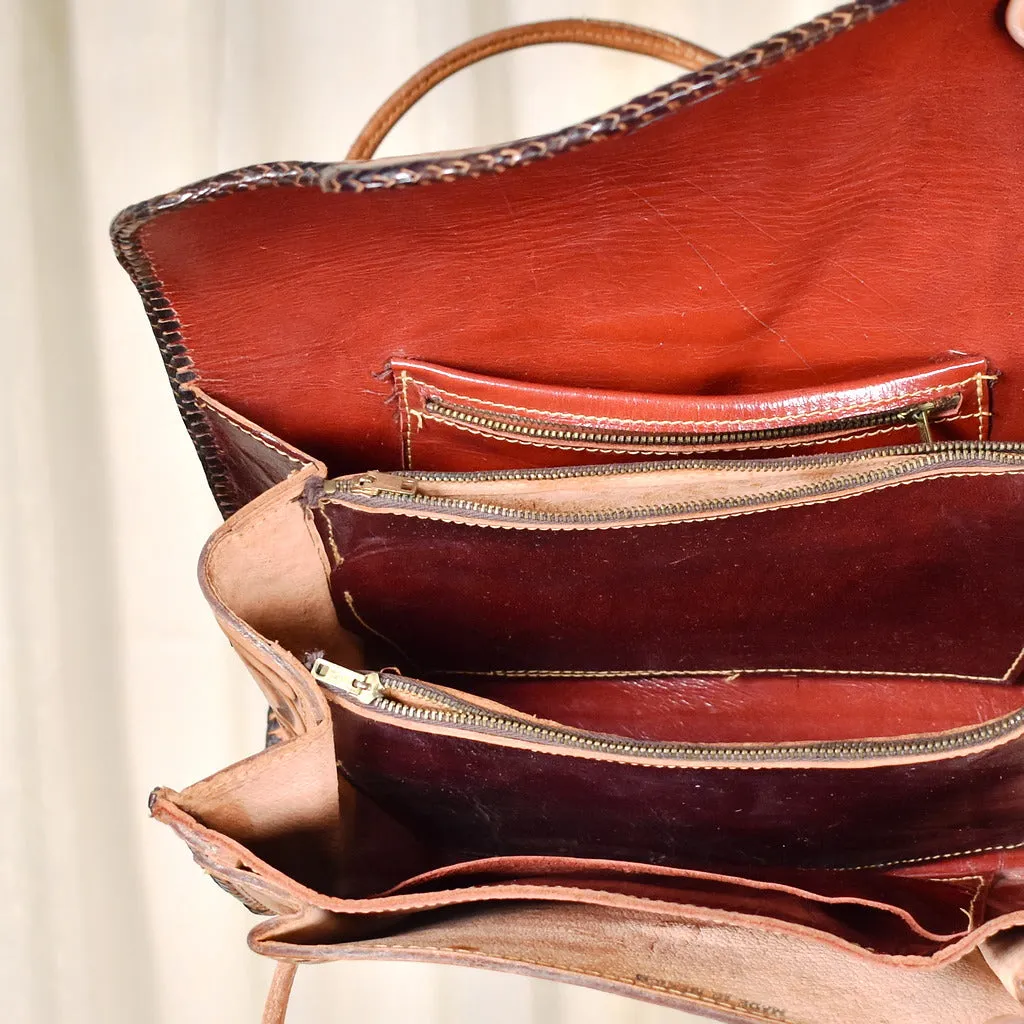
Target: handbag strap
(614, 35)
(280, 991)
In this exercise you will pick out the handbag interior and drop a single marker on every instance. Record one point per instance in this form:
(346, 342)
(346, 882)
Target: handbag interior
(806, 267)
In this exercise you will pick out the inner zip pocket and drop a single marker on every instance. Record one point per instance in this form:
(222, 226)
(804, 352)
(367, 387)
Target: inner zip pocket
(522, 428)
(898, 563)
(474, 779)
(625, 494)
(400, 697)
(452, 419)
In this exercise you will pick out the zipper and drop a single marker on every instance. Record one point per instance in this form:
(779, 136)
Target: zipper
(389, 693)
(401, 490)
(554, 432)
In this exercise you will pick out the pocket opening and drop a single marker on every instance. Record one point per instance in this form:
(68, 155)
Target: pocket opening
(455, 420)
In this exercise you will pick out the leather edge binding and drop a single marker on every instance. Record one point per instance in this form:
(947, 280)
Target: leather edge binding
(448, 167)
(180, 369)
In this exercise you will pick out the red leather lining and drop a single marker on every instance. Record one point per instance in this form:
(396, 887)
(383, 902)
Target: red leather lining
(836, 216)
(774, 710)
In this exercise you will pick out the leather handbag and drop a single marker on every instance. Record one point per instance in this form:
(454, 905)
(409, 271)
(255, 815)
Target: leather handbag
(625, 536)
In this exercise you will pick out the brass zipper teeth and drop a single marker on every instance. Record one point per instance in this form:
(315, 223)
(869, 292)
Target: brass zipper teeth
(551, 431)
(460, 713)
(376, 491)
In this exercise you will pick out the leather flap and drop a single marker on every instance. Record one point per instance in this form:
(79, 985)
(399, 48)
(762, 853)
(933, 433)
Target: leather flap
(849, 212)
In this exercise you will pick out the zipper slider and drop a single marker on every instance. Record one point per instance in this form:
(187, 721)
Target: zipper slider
(364, 686)
(374, 483)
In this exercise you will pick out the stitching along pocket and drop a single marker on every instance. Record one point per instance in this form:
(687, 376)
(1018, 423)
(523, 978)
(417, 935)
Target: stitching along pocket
(455, 420)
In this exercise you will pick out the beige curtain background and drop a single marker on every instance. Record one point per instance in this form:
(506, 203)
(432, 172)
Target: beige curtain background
(113, 676)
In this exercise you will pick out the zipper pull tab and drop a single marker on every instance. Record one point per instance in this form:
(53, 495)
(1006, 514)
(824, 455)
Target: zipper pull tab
(376, 482)
(364, 686)
(919, 414)
(923, 423)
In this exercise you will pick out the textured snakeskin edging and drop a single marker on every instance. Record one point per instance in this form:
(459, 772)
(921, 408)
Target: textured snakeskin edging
(276, 732)
(364, 176)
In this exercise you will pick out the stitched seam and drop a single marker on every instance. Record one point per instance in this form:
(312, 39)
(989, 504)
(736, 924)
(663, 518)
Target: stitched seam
(938, 390)
(637, 981)
(932, 859)
(978, 890)
(177, 358)
(1013, 667)
(654, 449)
(697, 673)
(981, 406)
(255, 437)
(329, 529)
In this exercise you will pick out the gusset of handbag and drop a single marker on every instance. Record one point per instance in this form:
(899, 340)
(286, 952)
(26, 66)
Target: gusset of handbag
(627, 537)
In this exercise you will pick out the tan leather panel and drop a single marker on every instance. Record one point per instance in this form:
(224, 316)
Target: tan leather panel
(723, 973)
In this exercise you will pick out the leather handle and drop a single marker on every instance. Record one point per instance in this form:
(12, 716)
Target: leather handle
(614, 35)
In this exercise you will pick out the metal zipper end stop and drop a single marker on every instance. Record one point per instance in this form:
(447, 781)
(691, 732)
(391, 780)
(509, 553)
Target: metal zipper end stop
(364, 686)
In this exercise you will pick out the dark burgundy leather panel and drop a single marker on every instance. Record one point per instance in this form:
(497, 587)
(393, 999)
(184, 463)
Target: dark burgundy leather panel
(853, 211)
(255, 459)
(917, 580)
(467, 798)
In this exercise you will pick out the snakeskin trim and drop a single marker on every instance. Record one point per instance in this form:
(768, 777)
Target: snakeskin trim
(360, 177)
(276, 732)
(246, 900)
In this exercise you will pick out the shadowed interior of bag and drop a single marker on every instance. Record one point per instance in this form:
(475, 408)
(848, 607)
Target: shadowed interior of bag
(812, 260)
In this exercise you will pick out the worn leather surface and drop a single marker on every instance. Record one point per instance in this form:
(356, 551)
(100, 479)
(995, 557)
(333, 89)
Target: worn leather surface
(501, 424)
(255, 825)
(472, 795)
(721, 972)
(863, 586)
